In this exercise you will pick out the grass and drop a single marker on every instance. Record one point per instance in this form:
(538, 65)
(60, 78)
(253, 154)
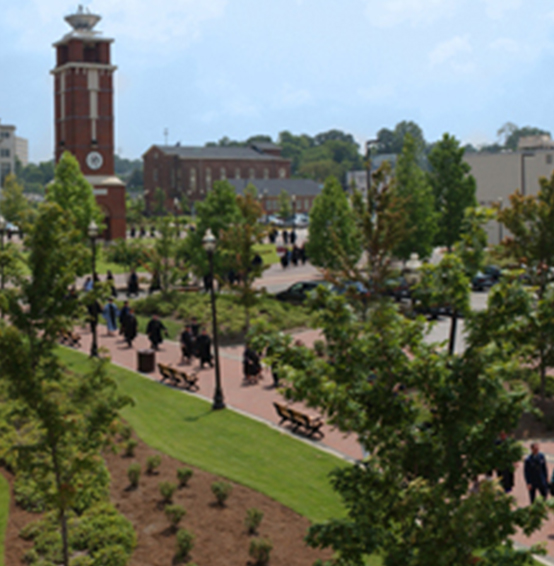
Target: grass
(4, 509)
(227, 444)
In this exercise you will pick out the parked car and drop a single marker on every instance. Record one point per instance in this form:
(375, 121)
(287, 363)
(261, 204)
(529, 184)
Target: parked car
(275, 220)
(487, 278)
(298, 292)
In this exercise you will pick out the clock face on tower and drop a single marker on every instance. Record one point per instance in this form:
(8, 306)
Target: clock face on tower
(94, 160)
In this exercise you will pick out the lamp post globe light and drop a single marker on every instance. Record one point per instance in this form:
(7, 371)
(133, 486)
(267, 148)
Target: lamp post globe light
(93, 234)
(209, 243)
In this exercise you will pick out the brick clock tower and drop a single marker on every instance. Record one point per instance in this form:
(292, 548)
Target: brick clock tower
(84, 121)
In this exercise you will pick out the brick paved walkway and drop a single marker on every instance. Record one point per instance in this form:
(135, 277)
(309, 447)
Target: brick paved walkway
(256, 400)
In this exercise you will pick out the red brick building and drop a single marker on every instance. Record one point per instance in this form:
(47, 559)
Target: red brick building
(190, 171)
(83, 108)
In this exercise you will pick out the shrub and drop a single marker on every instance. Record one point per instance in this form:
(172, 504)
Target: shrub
(133, 473)
(125, 431)
(82, 560)
(260, 549)
(130, 447)
(167, 489)
(153, 462)
(184, 475)
(113, 555)
(174, 514)
(185, 543)
(253, 519)
(221, 490)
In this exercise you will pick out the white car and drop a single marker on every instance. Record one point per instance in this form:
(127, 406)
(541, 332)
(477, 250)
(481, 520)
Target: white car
(275, 220)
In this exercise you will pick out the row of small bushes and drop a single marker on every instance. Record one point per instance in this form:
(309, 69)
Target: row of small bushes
(231, 315)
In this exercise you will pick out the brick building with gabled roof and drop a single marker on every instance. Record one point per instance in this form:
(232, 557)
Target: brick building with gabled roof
(191, 170)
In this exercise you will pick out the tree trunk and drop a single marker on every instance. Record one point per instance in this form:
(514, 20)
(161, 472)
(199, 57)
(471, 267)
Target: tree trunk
(452, 341)
(62, 516)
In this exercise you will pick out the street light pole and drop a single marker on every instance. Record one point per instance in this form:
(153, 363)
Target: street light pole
(93, 234)
(209, 243)
(293, 212)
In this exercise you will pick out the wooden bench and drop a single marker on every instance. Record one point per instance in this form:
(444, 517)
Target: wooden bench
(69, 338)
(177, 377)
(299, 420)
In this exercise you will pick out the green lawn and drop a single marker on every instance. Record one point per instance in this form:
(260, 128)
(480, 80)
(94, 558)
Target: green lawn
(227, 444)
(4, 508)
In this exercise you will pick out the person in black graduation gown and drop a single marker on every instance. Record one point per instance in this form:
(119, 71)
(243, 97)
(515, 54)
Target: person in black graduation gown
(203, 349)
(155, 330)
(187, 344)
(130, 331)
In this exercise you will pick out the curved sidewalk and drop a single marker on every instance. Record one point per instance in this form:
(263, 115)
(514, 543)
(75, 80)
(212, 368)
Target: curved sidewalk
(257, 401)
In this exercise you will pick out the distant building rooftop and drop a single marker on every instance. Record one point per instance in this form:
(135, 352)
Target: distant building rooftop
(218, 152)
(542, 141)
(298, 187)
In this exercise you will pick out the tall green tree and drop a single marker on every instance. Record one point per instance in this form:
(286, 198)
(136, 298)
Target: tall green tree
(238, 241)
(285, 205)
(428, 423)
(13, 204)
(416, 196)
(72, 192)
(218, 211)
(453, 187)
(530, 219)
(70, 417)
(332, 232)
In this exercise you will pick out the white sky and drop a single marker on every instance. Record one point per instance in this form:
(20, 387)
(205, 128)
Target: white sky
(209, 68)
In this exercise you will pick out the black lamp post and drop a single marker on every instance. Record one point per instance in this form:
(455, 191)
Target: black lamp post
(293, 211)
(93, 234)
(209, 243)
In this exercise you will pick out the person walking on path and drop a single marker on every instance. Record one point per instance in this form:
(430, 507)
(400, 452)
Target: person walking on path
(536, 473)
(130, 332)
(155, 330)
(285, 237)
(203, 349)
(110, 313)
(110, 279)
(187, 344)
(133, 284)
(123, 314)
(251, 365)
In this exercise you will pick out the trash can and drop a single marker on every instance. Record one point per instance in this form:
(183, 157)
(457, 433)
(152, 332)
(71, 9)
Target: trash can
(146, 361)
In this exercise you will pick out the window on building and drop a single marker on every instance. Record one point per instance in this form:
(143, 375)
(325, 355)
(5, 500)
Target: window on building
(282, 172)
(266, 173)
(192, 181)
(4, 152)
(208, 178)
(549, 159)
(5, 170)
(223, 174)
(4, 135)
(237, 173)
(306, 204)
(251, 174)
(173, 178)
(155, 175)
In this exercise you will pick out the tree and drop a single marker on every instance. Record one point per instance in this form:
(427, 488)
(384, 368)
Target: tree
(239, 241)
(285, 205)
(512, 137)
(332, 232)
(530, 219)
(218, 211)
(71, 191)
(414, 190)
(392, 141)
(135, 208)
(453, 187)
(69, 417)
(428, 423)
(13, 205)
(159, 202)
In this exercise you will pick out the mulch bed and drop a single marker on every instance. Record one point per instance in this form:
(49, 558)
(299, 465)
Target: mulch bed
(221, 537)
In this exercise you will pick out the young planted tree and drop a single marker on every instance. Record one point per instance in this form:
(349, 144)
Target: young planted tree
(332, 230)
(239, 241)
(285, 205)
(453, 188)
(72, 192)
(414, 190)
(69, 417)
(530, 219)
